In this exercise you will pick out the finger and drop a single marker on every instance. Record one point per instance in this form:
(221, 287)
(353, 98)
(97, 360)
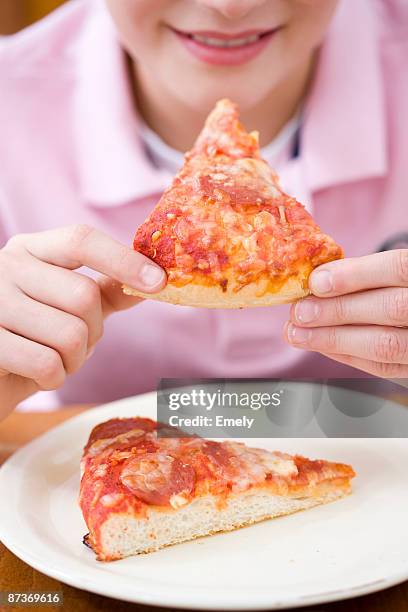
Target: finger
(382, 370)
(113, 298)
(65, 290)
(375, 343)
(31, 360)
(377, 307)
(66, 334)
(81, 245)
(389, 269)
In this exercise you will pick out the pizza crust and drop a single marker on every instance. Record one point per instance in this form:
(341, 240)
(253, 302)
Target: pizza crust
(251, 295)
(124, 534)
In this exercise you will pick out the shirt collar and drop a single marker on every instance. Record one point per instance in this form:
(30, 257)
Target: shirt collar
(343, 138)
(113, 167)
(344, 135)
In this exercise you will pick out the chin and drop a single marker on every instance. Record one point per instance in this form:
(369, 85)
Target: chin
(207, 91)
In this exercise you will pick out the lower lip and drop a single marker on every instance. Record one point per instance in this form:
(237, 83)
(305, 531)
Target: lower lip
(225, 56)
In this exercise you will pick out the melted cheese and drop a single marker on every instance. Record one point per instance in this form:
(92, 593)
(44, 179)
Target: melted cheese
(178, 501)
(102, 443)
(252, 466)
(147, 473)
(111, 499)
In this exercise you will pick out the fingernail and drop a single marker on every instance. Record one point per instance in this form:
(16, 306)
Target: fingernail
(151, 275)
(307, 311)
(321, 281)
(90, 352)
(298, 335)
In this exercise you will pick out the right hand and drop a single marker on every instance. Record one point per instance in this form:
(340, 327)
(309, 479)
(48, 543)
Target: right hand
(51, 317)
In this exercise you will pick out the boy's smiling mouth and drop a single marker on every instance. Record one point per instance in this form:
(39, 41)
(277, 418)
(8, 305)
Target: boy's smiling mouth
(222, 48)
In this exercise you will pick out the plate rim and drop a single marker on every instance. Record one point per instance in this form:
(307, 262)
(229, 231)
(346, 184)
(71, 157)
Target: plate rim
(174, 603)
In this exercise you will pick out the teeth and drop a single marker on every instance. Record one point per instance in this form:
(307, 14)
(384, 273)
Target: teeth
(218, 42)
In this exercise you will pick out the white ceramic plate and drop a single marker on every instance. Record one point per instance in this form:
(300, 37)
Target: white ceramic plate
(352, 547)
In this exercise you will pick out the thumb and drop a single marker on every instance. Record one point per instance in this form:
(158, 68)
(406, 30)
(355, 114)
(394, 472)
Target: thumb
(113, 298)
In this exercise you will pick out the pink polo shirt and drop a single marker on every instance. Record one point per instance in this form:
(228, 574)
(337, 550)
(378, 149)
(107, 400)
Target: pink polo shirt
(70, 152)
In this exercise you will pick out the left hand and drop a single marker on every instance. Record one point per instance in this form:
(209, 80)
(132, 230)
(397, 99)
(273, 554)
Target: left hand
(358, 314)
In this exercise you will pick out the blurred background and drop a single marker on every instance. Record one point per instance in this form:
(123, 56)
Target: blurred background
(17, 14)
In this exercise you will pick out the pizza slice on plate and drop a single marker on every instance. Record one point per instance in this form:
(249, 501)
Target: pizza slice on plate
(141, 491)
(225, 232)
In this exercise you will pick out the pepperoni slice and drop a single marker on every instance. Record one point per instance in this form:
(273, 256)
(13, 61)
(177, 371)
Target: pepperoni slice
(155, 478)
(217, 452)
(115, 427)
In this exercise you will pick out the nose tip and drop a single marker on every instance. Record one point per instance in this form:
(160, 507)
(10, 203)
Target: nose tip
(233, 9)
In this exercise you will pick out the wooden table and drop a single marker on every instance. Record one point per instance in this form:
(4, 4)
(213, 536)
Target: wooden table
(18, 429)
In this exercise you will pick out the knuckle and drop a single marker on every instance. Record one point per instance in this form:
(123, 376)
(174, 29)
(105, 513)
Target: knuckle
(126, 259)
(384, 370)
(387, 370)
(401, 263)
(74, 337)
(396, 306)
(389, 347)
(6, 261)
(50, 371)
(15, 242)
(332, 340)
(86, 294)
(340, 309)
(78, 234)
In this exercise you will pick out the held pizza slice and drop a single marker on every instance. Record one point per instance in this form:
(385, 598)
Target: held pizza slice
(141, 491)
(225, 232)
